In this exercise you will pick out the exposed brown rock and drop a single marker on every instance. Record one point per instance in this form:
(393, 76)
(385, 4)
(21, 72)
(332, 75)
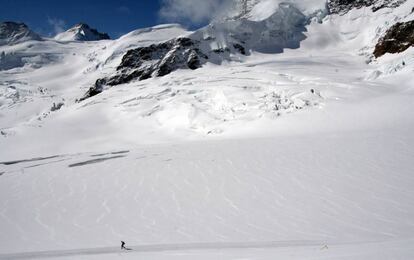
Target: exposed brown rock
(397, 39)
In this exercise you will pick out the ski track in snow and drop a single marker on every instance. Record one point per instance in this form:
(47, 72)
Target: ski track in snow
(160, 248)
(95, 161)
(291, 249)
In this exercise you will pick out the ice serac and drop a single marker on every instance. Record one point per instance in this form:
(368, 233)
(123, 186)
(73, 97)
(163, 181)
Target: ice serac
(344, 6)
(214, 43)
(81, 32)
(13, 33)
(397, 39)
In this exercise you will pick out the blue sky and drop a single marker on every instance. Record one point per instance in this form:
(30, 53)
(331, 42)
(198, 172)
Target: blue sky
(115, 17)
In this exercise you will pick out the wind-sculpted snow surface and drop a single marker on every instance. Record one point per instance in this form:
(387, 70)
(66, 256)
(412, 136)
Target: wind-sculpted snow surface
(317, 192)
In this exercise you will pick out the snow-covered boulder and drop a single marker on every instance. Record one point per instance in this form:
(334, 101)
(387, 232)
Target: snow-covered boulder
(81, 32)
(13, 33)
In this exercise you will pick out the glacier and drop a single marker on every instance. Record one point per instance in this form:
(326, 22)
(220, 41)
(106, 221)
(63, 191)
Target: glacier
(299, 148)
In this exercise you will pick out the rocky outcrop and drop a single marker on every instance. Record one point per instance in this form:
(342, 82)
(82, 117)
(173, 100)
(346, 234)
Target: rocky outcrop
(159, 60)
(398, 38)
(96, 89)
(344, 6)
(81, 32)
(153, 61)
(214, 43)
(13, 33)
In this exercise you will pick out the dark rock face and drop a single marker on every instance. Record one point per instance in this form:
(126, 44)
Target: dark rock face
(96, 89)
(214, 43)
(12, 33)
(397, 39)
(56, 106)
(344, 6)
(99, 35)
(240, 48)
(387, 4)
(158, 60)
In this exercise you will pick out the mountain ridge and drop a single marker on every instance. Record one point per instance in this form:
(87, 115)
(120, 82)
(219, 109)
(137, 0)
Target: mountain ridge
(15, 32)
(81, 32)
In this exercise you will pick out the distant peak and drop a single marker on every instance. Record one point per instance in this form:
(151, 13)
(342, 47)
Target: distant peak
(16, 32)
(82, 25)
(82, 32)
(11, 23)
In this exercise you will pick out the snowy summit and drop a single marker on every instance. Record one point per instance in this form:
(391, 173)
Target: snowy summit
(81, 32)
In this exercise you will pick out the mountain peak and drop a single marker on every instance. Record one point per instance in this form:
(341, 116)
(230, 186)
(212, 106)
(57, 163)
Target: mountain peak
(82, 32)
(15, 32)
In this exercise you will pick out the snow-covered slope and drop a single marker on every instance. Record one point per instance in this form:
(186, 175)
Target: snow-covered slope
(253, 30)
(81, 32)
(53, 72)
(305, 153)
(216, 43)
(321, 195)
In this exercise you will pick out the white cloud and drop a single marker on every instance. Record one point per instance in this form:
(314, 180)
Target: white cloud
(58, 25)
(194, 11)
